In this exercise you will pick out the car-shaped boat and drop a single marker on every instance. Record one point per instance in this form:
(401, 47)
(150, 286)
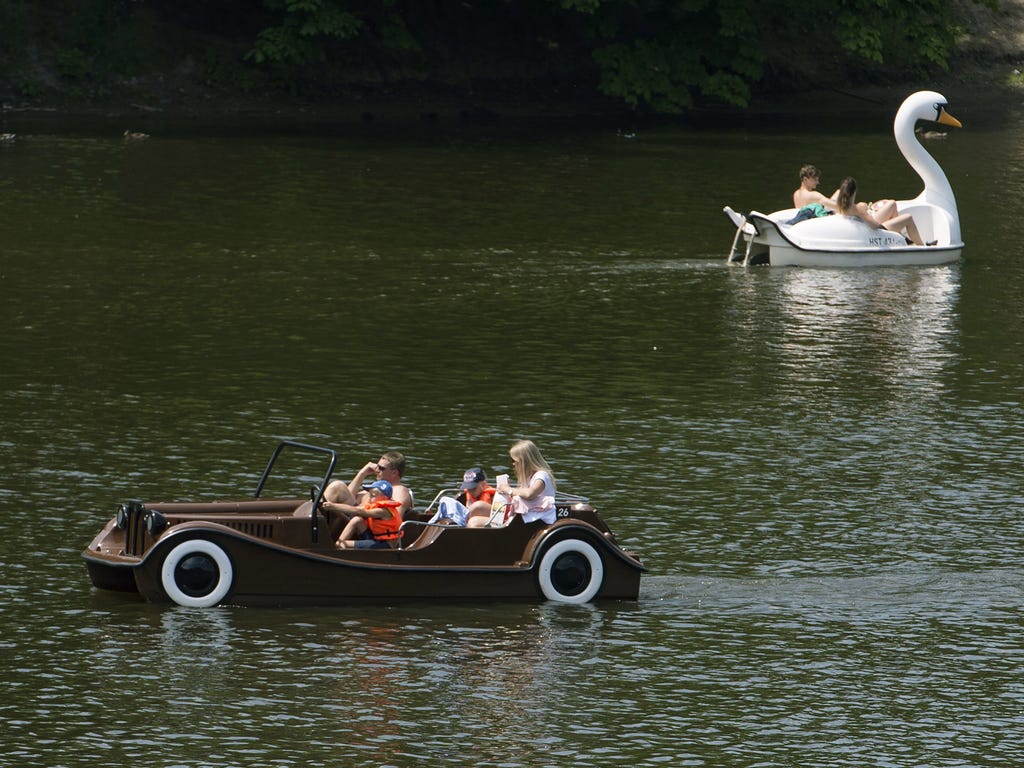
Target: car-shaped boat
(264, 552)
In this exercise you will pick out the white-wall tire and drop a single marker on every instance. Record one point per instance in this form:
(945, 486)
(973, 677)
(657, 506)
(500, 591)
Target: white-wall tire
(571, 571)
(215, 580)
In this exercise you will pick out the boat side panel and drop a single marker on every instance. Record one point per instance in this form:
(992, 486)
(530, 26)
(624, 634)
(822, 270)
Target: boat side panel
(798, 245)
(924, 256)
(267, 574)
(111, 576)
(459, 565)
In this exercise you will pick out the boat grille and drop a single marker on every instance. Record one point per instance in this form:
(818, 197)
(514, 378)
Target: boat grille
(135, 531)
(257, 530)
(135, 528)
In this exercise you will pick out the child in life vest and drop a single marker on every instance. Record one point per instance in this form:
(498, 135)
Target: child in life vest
(377, 524)
(474, 499)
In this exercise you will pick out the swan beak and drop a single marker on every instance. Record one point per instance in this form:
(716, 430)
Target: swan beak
(947, 119)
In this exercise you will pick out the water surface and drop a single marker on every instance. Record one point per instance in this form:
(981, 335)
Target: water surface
(821, 468)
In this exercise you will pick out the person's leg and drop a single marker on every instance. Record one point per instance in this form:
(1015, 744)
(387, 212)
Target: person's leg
(353, 529)
(883, 210)
(479, 511)
(904, 221)
(369, 544)
(338, 491)
(912, 231)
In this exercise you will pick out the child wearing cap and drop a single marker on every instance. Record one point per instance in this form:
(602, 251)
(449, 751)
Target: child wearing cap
(377, 524)
(478, 493)
(474, 499)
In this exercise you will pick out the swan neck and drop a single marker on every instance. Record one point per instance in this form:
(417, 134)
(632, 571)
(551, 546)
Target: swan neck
(936, 186)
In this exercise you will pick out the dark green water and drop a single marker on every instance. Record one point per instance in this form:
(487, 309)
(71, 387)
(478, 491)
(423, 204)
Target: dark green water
(822, 469)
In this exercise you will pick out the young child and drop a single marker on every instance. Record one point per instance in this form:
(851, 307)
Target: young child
(376, 525)
(478, 492)
(474, 499)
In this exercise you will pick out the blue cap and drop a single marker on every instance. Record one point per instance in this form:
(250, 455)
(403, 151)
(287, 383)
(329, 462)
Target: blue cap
(383, 486)
(472, 477)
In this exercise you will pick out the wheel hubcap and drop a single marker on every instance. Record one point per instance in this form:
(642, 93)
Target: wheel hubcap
(571, 573)
(196, 575)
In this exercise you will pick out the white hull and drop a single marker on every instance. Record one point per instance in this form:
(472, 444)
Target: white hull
(838, 241)
(911, 256)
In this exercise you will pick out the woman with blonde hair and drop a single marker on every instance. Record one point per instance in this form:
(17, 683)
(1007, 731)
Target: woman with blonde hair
(534, 496)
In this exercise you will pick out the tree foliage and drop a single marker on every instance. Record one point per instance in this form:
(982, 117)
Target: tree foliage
(661, 55)
(656, 55)
(304, 26)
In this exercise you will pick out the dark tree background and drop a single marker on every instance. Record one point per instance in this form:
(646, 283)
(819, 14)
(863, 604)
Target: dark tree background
(661, 56)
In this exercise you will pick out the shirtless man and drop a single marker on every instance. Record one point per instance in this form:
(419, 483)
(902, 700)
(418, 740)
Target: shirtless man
(341, 501)
(807, 193)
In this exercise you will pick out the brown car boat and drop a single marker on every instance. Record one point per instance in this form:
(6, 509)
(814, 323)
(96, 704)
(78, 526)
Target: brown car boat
(275, 552)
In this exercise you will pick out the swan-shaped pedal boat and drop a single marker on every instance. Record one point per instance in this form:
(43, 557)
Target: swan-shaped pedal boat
(845, 241)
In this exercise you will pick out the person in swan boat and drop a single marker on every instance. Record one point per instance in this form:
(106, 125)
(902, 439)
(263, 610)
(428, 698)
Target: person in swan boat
(807, 193)
(848, 206)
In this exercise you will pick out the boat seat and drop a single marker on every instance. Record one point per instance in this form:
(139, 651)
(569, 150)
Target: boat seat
(932, 222)
(419, 539)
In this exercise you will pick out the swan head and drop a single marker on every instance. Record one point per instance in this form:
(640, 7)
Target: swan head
(924, 105)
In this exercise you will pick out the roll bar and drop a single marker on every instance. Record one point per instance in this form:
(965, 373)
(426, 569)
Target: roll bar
(319, 490)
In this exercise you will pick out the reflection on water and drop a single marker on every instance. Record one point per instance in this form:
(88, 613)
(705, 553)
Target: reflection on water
(817, 325)
(911, 668)
(909, 317)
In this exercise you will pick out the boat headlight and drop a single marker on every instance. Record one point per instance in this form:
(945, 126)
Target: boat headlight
(156, 523)
(121, 516)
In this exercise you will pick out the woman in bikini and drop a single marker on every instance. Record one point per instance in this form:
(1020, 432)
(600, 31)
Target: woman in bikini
(885, 217)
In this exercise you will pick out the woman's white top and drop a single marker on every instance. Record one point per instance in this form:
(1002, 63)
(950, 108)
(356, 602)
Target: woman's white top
(540, 507)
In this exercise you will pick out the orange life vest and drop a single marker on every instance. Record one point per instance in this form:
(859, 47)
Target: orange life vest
(384, 528)
(487, 494)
